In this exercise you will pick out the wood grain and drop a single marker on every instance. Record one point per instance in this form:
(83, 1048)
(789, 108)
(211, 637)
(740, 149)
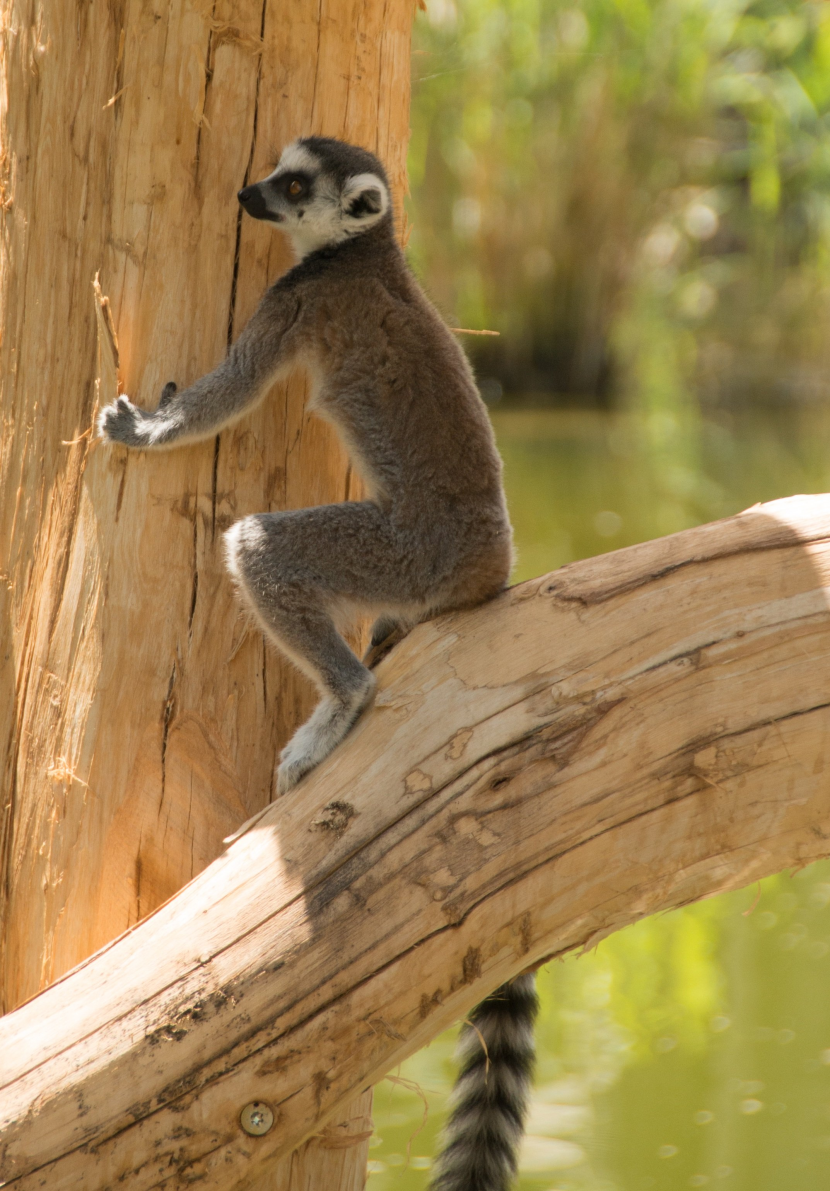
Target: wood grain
(140, 718)
(132, 692)
(626, 735)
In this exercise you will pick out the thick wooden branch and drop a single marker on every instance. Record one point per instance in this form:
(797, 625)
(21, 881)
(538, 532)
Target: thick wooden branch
(628, 734)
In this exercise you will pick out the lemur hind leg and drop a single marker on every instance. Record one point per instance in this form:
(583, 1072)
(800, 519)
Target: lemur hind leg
(302, 572)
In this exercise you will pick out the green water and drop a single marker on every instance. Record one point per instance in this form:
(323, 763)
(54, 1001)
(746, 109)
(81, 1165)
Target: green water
(693, 1049)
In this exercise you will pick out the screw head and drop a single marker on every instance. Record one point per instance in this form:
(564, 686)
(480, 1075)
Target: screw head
(256, 1118)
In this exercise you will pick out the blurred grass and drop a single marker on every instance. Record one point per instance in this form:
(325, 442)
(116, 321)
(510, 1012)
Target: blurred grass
(635, 193)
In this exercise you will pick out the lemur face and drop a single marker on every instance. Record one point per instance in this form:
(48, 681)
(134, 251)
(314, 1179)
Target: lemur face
(322, 192)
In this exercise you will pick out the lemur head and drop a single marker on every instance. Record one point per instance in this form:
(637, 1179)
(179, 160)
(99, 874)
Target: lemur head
(322, 192)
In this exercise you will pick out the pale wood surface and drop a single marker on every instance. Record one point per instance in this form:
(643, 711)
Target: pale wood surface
(628, 734)
(139, 718)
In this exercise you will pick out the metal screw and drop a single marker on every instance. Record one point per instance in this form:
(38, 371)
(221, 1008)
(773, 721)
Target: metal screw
(256, 1118)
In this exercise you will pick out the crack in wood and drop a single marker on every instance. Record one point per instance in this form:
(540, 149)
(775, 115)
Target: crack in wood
(555, 589)
(194, 593)
(167, 716)
(205, 91)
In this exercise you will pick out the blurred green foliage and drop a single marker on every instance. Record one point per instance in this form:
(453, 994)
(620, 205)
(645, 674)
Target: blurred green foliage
(635, 193)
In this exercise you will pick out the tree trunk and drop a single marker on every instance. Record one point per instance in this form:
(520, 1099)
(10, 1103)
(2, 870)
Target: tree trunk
(626, 735)
(140, 718)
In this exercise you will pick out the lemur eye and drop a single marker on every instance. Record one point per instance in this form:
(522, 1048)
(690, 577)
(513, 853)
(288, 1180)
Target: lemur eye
(295, 187)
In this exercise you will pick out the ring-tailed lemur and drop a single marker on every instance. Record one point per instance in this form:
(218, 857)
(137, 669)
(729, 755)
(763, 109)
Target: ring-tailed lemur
(432, 535)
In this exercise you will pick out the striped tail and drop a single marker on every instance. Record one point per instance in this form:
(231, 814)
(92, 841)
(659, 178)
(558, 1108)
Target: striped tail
(489, 1102)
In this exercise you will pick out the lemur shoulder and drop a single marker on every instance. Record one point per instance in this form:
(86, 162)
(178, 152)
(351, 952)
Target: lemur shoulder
(433, 534)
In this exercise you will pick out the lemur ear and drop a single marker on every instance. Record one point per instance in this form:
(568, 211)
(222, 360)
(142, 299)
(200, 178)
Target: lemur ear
(365, 196)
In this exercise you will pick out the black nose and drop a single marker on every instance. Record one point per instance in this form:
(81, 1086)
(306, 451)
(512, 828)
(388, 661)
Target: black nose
(253, 202)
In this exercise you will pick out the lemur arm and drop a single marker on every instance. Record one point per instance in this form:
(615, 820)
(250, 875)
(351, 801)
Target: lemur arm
(263, 350)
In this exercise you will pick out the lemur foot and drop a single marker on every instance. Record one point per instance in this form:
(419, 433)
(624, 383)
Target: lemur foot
(168, 393)
(386, 634)
(320, 735)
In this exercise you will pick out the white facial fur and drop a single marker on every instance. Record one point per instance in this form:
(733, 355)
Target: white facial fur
(325, 218)
(296, 157)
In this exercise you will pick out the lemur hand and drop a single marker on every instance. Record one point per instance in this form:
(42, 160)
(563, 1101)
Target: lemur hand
(125, 423)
